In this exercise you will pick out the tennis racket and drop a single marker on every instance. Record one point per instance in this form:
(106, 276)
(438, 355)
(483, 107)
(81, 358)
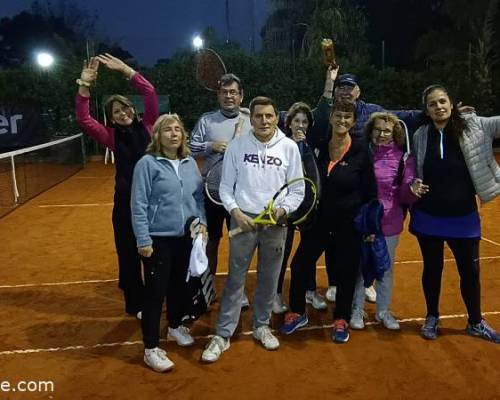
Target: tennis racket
(267, 217)
(214, 175)
(208, 69)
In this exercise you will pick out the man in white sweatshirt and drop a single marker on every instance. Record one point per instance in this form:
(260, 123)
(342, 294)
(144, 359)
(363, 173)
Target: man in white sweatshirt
(255, 167)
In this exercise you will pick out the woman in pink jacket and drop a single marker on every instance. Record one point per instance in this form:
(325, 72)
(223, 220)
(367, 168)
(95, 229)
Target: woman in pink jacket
(397, 188)
(128, 136)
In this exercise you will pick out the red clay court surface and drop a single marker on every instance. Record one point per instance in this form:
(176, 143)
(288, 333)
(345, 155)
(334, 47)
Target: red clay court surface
(62, 321)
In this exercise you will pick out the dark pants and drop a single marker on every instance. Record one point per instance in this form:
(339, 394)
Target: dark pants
(313, 242)
(311, 280)
(165, 276)
(129, 260)
(216, 215)
(466, 253)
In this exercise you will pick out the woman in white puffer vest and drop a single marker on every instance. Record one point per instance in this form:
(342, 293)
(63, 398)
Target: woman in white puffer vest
(455, 159)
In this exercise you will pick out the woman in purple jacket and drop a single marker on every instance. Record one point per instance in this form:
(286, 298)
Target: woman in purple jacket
(397, 188)
(128, 136)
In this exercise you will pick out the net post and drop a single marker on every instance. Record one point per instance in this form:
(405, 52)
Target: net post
(14, 180)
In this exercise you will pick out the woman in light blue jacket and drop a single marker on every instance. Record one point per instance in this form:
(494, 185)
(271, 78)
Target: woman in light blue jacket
(167, 193)
(455, 159)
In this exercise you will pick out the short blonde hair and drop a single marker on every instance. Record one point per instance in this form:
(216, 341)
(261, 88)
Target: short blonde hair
(154, 148)
(398, 133)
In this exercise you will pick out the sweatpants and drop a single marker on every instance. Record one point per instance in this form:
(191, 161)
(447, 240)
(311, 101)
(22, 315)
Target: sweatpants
(165, 276)
(269, 242)
(466, 253)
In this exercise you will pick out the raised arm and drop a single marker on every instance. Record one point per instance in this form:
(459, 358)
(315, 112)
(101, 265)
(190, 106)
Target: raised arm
(90, 126)
(491, 126)
(141, 84)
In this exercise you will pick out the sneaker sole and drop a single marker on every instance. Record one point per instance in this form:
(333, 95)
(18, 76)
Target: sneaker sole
(228, 344)
(157, 369)
(481, 336)
(181, 344)
(398, 328)
(341, 341)
(356, 327)
(303, 323)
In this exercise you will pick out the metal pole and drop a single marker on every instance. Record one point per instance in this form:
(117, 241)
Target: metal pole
(383, 55)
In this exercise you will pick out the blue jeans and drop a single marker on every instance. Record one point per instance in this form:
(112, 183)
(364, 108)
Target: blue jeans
(382, 287)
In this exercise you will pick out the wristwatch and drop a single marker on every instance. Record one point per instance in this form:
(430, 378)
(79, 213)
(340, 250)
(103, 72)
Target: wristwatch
(80, 82)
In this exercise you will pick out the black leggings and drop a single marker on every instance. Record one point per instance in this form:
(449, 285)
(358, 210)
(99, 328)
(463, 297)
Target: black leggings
(129, 260)
(311, 278)
(342, 253)
(466, 253)
(165, 275)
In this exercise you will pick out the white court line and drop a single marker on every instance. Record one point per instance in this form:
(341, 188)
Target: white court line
(250, 271)
(490, 241)
(93, 177)
(246, 333)
(57, 283)
(75, 205)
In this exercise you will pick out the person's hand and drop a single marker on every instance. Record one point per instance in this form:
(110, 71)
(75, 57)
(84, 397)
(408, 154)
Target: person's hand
(369, 238)
(146, 251)
(115, 64)
(331, 74)
(279, 214)
(89, 70)
(299, 135)
(464, 109)
(219, 147)
(242, 220)
(203, 232)
(418, 187)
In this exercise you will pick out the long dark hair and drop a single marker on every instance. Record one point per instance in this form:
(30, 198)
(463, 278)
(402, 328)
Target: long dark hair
(456, 123)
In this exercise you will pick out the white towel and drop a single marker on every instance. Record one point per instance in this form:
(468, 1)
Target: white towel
(198, 261)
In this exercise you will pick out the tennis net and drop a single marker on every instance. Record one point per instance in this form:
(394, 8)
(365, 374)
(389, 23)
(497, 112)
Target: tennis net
(25, 173)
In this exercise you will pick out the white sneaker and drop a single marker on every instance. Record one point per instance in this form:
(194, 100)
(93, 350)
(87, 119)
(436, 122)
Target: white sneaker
(215, 348)
(357, 319)
(181, 336)
(317, 301)
(244, 302)
(279, 306)
(157, 360)
(371, 294)
(331, 293)
(388, 320)
(139, 315)
(264, 335)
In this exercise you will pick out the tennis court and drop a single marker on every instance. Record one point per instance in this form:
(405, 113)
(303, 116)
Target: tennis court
(62, 321)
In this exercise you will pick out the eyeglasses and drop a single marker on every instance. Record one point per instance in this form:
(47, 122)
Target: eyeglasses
(230, 93)
(345, 88)
(380, 131)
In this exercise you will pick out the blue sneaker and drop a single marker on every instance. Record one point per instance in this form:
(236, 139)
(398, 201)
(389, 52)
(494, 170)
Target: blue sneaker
(293, 321)
(429, 329)
(340, 331)
(484, 331)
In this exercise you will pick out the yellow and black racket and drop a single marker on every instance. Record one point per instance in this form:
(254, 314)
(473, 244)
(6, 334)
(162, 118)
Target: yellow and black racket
(308, 204)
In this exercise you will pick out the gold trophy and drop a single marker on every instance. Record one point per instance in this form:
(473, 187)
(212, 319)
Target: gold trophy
(328, 47)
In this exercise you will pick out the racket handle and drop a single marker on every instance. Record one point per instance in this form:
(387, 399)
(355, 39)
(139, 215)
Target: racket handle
(234, 232)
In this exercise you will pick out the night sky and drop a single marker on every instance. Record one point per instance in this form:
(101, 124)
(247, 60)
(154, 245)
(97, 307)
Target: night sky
(152, 29)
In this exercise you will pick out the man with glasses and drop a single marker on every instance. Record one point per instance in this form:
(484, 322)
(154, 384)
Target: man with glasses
(209, 141)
